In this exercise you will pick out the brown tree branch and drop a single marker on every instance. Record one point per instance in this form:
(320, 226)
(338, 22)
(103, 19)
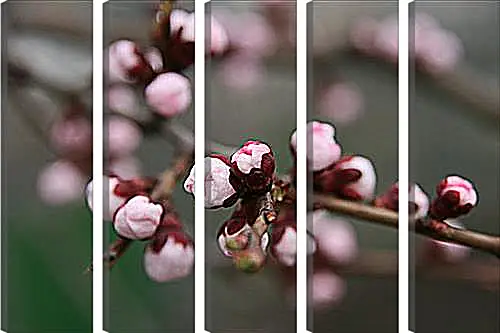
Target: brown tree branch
(431, 228)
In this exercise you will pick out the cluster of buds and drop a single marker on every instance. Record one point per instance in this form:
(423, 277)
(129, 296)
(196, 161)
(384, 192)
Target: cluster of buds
(255, 229)
(436, 49)
(148, 85)
(263, 223)
(169, 253)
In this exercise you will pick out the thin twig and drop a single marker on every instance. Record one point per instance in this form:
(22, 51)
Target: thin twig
(431, 228)
(116, 250)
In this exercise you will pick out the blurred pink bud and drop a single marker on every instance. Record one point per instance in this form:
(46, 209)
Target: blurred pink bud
(169, 94)
(438, 50)
(60, 182)
(138, 218)
(447, 252)
(327, 289)
(126, 167)
(241, 72)
(284, 245)
(218, 190)
(352, 177)
(170, 257)
(325, 150)
(122, 99)
(234, 235)
(336, 238)
(181, 19)
(342, 102)
(250, 33)
(363, 33)
(219, 41)
(386, 39)
(456, 196)
(252, 168)
(280, 240)
(72, 135)
(124, 136)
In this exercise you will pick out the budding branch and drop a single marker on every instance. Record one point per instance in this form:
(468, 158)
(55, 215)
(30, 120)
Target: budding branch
(162, 191)
(431, 228)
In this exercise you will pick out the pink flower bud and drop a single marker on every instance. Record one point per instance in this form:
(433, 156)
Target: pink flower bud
(169, 94)
(72, 135)
(418, 200)
(253, 168)
(327, 289)
(218, 191)
(456, 196)
(181, 19)
(280, 239)
(284, 243)
(335, 237)
(250, 156)
(178, 47)
(60, 183)
(352, 177)
(112, 202)
(325, 150)
(342, 102)
(118, 192)
(234, 235)
(124, 136)
(138, 218)
(170, 255)
(124, 62)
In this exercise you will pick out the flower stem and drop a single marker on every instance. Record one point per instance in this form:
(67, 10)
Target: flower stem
(430, 228)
